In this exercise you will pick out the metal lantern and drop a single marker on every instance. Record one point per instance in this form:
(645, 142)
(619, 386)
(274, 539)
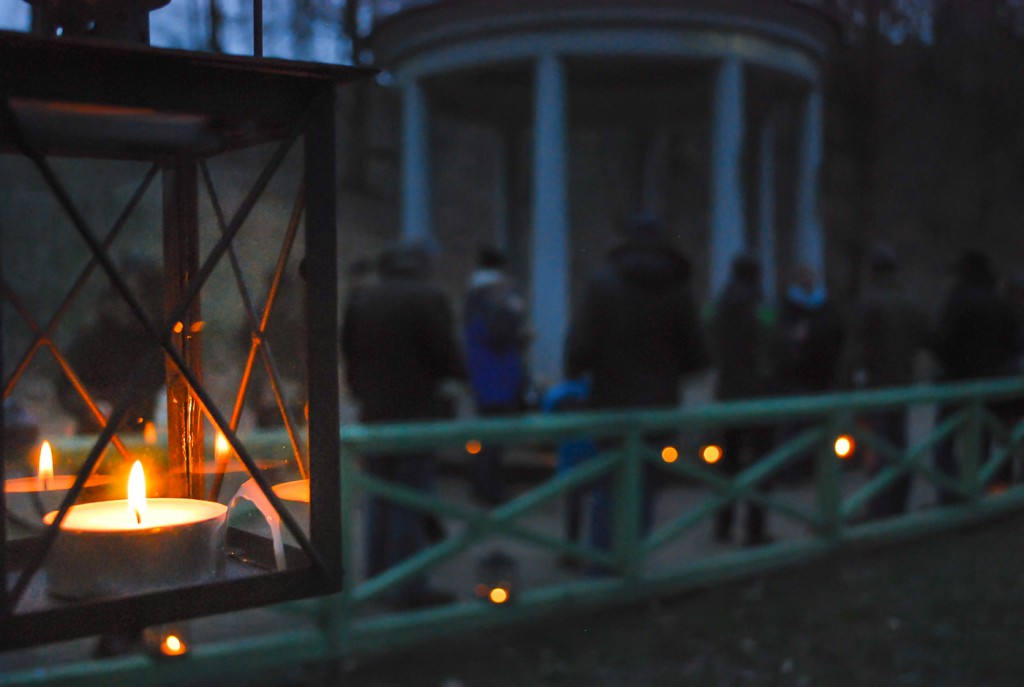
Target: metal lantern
(231, 515)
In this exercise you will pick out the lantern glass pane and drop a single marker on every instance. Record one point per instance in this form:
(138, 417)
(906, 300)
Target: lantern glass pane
(188, 360)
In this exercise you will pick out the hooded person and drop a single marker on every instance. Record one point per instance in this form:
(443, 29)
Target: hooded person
(635, 335)
(637, 332)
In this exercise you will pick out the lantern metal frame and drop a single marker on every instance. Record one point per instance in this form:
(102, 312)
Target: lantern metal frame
(189, 107)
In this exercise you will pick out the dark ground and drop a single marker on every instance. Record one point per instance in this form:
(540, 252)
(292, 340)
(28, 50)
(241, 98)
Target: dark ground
(944, 612)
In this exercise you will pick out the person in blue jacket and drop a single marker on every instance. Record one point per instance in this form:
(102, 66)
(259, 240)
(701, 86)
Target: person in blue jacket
(495, 342)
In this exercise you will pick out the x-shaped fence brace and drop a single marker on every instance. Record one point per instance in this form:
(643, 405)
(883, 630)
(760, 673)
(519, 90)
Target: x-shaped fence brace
(747, 484)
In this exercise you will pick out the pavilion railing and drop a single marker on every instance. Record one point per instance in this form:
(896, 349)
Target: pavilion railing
(356, 621)
(831, 519)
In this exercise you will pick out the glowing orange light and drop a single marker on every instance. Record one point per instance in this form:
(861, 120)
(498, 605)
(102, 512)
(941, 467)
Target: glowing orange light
(473, 447)
(172, 646)
(149, 433)
(196, 327)
(221, 448)
(137, 492)
(711, 454)
(499, 595)
(45, 465)
(669, 454)
(178, 327)
(844, 446)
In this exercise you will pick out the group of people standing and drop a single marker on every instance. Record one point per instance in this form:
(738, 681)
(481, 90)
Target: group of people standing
(633, 340)
(811, 344)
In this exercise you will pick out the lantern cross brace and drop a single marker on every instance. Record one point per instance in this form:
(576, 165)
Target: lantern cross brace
(63, 362)
(258, 328)
(43, 336)
(98, 250)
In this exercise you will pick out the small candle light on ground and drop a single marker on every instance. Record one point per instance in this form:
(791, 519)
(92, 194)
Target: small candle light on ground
(167, 641)
(844, 446)
(711, 454)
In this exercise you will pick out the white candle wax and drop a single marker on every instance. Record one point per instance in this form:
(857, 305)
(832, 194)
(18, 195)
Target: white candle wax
(117, 516)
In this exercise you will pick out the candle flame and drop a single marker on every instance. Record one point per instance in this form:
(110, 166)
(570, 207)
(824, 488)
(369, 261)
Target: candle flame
(173, 646)
(149, 433)
(221, 448)
(844, 446)
(45, 464)
(711, 454)
(137, 491)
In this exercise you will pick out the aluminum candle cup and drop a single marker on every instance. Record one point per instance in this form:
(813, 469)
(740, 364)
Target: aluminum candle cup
(28, 498)
(104, 550)
(295, 495)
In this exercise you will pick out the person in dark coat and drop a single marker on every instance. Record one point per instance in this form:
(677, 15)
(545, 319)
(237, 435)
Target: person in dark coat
(811, 336)
(741, 332)
(636, 335)
(399, 347)
(496, 337)
(810, 343)
(976, 336)
(888, 328)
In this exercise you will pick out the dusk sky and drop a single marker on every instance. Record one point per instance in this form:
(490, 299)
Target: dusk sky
(182, 24)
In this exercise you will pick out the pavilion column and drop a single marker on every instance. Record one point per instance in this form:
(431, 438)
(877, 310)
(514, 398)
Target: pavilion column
(810, 238)
(549, 269)
(504, 175)
(417, 205)
(766, 208)
(727, 224)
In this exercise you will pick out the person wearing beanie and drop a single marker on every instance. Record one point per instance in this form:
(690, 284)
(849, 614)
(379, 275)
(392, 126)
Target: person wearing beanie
(496, 338)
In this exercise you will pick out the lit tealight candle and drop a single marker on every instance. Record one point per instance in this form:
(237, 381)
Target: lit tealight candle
(137, 544)
(45, 480)
(30, 497)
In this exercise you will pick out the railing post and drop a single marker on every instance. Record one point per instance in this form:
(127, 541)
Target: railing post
(335, 613)
(972, 440)
(827, 477)
(628, 506)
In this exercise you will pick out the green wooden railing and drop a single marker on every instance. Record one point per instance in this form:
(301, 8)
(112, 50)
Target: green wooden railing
(353, 622)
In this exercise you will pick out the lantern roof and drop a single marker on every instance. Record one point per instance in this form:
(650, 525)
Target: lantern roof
(80, 97)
